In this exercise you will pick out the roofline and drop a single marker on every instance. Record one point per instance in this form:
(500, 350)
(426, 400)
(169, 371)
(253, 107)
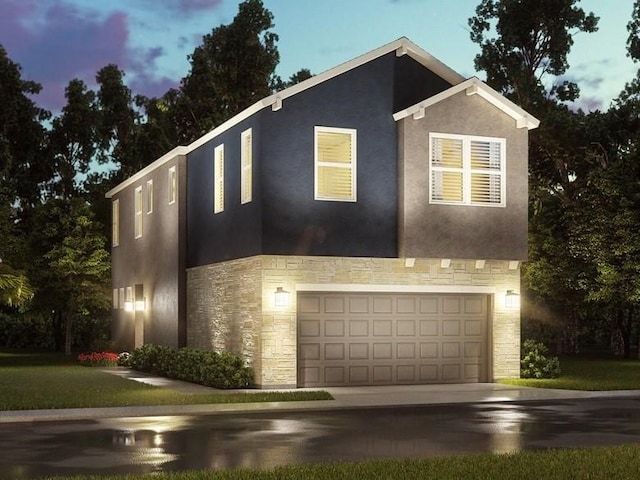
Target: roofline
(474, 86)
(401, 46)
(167, 157)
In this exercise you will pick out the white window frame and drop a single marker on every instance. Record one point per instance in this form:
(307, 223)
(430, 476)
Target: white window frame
(173, 185)
(115, 299)
(115, 223)
(149, 197)
(246, 166)
(318, 164)
(218, 179)
(466, 170)
(137, 207)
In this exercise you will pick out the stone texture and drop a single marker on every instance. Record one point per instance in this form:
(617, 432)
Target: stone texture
(230, 304)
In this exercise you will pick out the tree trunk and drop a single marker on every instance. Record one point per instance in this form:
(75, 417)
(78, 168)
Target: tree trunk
(68, 337)
(570, 333)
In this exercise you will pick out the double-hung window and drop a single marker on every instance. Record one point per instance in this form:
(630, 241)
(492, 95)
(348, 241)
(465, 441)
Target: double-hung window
(467, 170)
(246, 160)
(138, 212)
(218, 179)
(149, 196)
(335, 164)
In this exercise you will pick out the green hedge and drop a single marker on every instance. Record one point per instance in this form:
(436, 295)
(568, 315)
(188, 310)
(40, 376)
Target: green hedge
(213, 369)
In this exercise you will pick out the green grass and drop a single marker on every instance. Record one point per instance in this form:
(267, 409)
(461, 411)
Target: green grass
(46, 381)
(615, 463)
(579, 373)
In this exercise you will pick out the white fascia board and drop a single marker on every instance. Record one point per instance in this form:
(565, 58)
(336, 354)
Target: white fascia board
(401, 46)
(167, 157)
(474, 86)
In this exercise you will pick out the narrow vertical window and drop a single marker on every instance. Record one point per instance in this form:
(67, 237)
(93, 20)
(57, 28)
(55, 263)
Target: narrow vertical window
(115, 298)
(138, 212)
(335, 164)
(115, 223)
(218, 179)
(173, 185)
(149, 196)
(246, 160)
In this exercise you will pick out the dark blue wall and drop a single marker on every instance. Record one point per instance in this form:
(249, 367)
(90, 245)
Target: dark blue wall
(284, 218)
(235, 232)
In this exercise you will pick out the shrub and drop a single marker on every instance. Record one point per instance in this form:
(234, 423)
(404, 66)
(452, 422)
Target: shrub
(536, 363)
(213, 369)
(98, 359)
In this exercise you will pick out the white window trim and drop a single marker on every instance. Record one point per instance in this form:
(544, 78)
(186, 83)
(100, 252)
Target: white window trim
(353, 166)
(137, 207)
(466, 169)
(218, 179)
(115, 223)
(149, 196)
(246, 167)
(173, 185)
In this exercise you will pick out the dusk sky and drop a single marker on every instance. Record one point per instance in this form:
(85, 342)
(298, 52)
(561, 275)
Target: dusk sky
(57, 40)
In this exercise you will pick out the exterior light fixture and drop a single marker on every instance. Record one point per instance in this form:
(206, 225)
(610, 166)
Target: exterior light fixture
(512, 300)
(281, 298)
(139, 298)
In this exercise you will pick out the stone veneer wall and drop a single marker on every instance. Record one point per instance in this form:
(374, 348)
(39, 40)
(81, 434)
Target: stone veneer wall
(230, 304)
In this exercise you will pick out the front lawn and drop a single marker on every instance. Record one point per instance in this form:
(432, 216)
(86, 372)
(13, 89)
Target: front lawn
(619, 463)
(580, 373)
(44, 381)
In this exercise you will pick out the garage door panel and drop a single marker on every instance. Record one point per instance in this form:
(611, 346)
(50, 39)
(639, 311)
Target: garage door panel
(334, 328)
(359, 328)
(382, 351)
(406, 328)
(381, 339)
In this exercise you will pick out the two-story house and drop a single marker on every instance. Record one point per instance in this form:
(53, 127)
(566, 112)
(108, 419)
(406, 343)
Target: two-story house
(365, 226)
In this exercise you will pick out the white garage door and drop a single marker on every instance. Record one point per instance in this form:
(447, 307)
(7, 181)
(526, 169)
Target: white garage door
(386, 339)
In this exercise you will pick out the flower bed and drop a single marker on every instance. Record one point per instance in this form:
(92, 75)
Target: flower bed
(99, 359)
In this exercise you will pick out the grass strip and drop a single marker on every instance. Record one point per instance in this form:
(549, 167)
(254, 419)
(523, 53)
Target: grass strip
(580, 373)
(612, 463)
(33, 382)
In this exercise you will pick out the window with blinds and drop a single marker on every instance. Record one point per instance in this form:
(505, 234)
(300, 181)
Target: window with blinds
(335, 164)
(149, 196)
(218, 179)
(138, 212)
(246, 160)
(467, 170)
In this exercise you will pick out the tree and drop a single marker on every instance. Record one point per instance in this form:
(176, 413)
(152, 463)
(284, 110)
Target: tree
(70, 270)
(73, 139)
(232, 69)
(533, 39)
(15, 290)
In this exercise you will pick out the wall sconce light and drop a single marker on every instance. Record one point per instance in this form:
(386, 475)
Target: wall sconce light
(140, 303)
(281, 297)
(512, 300)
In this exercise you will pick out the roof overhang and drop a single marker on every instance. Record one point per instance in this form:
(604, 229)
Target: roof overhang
(473, 86)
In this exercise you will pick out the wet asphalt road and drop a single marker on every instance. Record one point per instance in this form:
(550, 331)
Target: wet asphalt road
(157, 444)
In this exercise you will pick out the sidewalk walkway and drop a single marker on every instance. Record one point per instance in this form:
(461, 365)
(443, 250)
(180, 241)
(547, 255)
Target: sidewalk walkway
(344, 398)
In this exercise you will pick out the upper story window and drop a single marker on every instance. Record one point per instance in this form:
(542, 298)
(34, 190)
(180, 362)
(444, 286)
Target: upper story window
(335, 164)
(246, 161)
(149, 196)
(467, 170)
(218, 179)
(173, 185)
(138, 212)
(115, 223)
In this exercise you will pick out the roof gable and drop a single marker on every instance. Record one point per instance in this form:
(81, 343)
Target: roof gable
(473, 86)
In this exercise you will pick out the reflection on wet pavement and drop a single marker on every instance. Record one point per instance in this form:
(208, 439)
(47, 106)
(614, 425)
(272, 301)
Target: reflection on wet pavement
(157, 444)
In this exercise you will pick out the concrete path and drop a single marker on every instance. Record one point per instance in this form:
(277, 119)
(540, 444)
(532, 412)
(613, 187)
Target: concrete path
(344, 398)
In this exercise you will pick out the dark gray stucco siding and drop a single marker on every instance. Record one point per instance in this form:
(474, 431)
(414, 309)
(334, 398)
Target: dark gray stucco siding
(295, 223)
(460, 231)
(236, 231)
(156, 260)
